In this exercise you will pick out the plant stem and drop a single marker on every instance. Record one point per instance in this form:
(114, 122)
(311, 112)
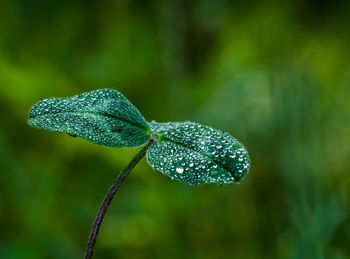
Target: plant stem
(108, 198)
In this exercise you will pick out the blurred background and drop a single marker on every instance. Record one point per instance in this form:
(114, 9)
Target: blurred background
(274, 74)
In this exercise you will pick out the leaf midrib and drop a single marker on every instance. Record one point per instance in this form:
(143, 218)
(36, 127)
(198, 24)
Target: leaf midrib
(93, 113)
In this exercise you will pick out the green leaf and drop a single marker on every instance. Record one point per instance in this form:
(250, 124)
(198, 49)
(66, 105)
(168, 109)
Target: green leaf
(196, 154)
(103, 116)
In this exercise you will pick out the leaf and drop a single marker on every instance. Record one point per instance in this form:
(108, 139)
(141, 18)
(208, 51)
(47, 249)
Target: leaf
(103, 116)
(196, 154)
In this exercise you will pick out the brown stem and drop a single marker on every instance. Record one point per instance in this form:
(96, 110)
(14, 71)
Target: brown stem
(108, 198)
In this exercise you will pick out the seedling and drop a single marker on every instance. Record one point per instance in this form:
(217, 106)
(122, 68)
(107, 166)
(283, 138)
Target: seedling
(186, 151)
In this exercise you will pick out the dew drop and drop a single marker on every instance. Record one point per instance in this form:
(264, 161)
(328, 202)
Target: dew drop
(179, 170)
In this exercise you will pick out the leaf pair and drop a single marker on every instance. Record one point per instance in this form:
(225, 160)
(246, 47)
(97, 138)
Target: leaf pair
(185, 151)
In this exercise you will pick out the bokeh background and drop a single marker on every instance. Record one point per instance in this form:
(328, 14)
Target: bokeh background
(274, 74)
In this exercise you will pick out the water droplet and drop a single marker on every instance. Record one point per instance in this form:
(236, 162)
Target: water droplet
(179, 170)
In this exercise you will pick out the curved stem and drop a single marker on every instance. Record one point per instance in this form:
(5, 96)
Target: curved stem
(108, 198)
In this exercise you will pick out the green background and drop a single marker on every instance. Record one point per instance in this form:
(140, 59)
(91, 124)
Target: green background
(274, 74)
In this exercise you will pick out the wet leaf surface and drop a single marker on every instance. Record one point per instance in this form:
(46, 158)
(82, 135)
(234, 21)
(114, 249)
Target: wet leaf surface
(103, 116)
(197, 154)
